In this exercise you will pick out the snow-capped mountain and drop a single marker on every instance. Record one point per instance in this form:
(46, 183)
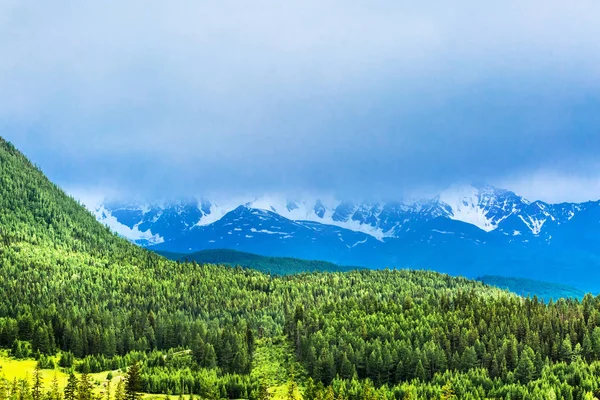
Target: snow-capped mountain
(484, 207)
(462, 229)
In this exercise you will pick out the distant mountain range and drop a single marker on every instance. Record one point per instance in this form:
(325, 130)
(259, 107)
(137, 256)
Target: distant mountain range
(466, 230)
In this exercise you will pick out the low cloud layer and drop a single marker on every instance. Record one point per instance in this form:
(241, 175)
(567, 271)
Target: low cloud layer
(368, 99)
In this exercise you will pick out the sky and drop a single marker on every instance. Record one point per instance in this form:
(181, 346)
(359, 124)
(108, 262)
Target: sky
(378, 99)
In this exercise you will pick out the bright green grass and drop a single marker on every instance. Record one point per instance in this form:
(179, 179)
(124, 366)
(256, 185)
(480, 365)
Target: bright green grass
(272, 361)
(12, 369)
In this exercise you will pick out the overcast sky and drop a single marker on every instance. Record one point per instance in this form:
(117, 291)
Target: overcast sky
(365, 99)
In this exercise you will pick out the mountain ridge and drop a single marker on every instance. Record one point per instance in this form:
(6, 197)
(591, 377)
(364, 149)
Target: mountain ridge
(484, 206)
(467, 231)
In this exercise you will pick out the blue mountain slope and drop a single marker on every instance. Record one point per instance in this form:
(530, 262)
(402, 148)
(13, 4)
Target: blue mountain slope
(269, 234)
(469, 231)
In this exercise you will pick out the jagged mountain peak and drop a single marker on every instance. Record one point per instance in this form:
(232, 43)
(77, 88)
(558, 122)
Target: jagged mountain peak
(483, 206)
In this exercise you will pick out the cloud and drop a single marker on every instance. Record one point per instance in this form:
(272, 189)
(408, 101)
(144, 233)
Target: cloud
(365, 99)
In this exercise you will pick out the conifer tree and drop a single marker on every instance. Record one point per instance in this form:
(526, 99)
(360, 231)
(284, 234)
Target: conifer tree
(525, 370)
(120, 390)
(420, 371)
(309, 391)
(263, 390)
(14, 389)
(448, 392)
(133, 382)
(4, 389)
(54, 393)
(36, 390)
(107, 388)
(292, 386)
(84, 390)
(24, 392)
(330, 395)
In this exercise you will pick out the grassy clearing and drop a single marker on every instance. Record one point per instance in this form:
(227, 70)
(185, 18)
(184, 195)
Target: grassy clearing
(12, 369)
(272, 362)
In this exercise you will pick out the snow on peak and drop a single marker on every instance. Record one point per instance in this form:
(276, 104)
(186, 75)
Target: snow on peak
(484, 207)
(322, 210)
(134, 234)
(465, 204)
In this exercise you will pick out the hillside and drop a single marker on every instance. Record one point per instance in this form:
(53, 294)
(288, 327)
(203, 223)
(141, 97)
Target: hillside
(70, 286)
(270, 265)
(286, 266)
(528, 287)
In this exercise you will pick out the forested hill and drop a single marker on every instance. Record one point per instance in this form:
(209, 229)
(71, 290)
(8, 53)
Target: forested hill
(271, 265)
(526, 287)
(285, 266)
(34, 210)
(69, 286)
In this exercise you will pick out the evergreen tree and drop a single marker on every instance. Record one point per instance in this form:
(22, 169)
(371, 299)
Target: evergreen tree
(525, 371)
(292, 386)
(71, 390)
(133, 382)
(66, 359)
(420, 371)
(54, 393)
(566, 349)
(120, 390)
(36, 390)
(24, 391)
(84, 390)
(330, 395)
(4, 389)
(263, 390)
(448, 392)
(309, 391)
(107, 388)
(468, 360)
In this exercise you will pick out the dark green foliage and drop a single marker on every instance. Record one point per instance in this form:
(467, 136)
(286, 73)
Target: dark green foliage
(21, 349)
(66, 359)
(70, 392)
(133, 383)
(270, 265)
(84, 389)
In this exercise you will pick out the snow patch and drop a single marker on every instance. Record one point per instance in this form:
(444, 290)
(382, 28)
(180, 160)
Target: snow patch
(464, 201)
(254, 230)
(360, 242)
(535, 225)
(442, 232)
(133, 234)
